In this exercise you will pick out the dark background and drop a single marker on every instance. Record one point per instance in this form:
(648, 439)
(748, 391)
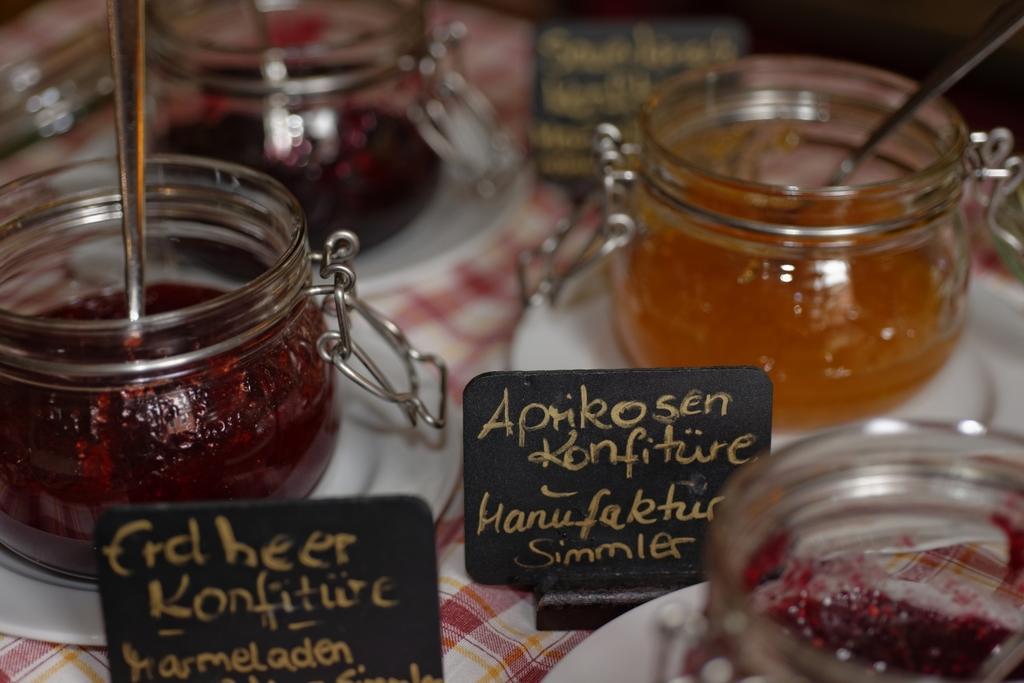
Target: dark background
(907, 36)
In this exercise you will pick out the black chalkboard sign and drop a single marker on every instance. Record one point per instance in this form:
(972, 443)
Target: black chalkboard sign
(316, 590)
(588, 72)
(603, 477)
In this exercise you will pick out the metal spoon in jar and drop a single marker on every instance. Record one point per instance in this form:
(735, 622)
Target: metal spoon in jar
(1000, 27)
(128, 60)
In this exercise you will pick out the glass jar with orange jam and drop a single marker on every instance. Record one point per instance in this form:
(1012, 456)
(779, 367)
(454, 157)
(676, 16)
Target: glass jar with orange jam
(850, 297)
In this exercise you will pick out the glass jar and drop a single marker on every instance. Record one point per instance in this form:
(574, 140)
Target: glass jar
(727, 250)
(891, 549)
(346, 102)
(223, 390)
(850, 297)
(52, 105)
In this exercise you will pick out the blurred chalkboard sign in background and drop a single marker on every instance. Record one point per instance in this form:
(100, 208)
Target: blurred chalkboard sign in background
(907, 36)
(588, 72)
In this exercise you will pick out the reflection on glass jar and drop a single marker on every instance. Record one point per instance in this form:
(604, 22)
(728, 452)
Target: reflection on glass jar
(52, 104)
(890, 547)
(849, 297)
(218, 393)
(315, 93)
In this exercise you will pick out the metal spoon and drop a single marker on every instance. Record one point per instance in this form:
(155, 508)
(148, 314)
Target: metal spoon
(1000, 27)
(128, 59)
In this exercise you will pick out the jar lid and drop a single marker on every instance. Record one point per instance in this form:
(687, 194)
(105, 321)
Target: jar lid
(46, 94)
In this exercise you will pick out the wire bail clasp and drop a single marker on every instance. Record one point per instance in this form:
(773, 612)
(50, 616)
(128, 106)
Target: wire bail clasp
(457, 120)
(340, 349)
(558, 258)
(989, 158)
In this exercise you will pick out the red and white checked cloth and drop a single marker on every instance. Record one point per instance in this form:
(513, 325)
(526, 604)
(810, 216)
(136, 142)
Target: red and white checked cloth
(467, 314)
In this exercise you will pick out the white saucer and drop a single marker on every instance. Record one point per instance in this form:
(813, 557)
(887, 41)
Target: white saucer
(624, 649)
(455, 225)
(983, 379)
(377, 454)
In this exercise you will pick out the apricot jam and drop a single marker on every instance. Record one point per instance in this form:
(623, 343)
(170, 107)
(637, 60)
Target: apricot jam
(255, 422)
(840, 337)
(850, 297)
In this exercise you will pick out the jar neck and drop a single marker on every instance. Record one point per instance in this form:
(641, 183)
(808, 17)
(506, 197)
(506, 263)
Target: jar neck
(748, 146)
(885, 487)
(205, 219)
(316, 47)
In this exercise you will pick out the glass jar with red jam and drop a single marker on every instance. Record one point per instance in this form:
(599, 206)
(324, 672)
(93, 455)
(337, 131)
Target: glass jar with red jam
(218, 392)
(890, 550)
(335, 99)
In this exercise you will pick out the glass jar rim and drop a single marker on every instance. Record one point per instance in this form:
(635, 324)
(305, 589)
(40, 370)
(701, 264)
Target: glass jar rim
(406, 28)
(170, 318)
(161, 23)
(949, 160)
(733, 597)
(234, 318)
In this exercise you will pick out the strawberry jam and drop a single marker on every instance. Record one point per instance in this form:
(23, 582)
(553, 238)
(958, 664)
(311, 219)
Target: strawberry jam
(852, 608)
(358, 169)
(254, 421)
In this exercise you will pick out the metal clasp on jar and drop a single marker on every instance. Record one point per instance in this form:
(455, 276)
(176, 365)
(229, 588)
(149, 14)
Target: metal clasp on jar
(457, 120)
(566, 254)
(340, 349)
(996, 175)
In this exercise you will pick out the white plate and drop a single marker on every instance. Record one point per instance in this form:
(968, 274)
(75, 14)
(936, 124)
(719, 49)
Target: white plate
(983, 379)
(996, 330)
(377, 454)
(624, 649)
(455, 225)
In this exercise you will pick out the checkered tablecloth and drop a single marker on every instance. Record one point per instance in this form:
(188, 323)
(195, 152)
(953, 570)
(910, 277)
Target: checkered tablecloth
(467, 314)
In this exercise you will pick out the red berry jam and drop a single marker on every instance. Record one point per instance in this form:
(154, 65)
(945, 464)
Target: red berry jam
(253, 422)
(160, 298)
(358, 168)
(851, 607)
